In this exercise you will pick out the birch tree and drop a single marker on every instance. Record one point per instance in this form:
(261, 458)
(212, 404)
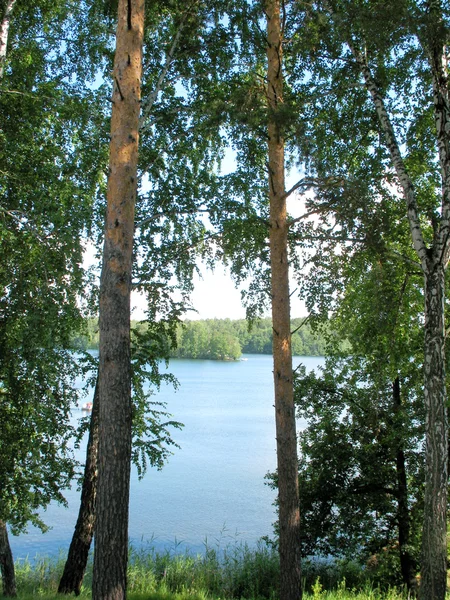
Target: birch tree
(47, 188)
(388, 50)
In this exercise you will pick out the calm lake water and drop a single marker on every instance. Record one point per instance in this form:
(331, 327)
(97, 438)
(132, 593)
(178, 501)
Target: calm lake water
(212, 489)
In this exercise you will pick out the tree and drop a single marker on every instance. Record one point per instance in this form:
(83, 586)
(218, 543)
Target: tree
(167, 239)
(360, 473)
(75, 565)
(47, 187)
(288, 499)
(151, 439)
(402, 142)
(361, 452)
(7, 563)
(115, 418)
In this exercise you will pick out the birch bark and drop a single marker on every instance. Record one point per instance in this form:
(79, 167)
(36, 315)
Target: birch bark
(4, 33)
(111, 537)
(6, 557)
(288, 495)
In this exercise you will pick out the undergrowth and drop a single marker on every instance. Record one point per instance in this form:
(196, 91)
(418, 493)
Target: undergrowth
(236, 572)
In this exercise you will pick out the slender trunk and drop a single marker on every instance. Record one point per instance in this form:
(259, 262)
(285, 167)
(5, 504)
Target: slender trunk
(407, 565)
(111, 529)
(75, 567)
(7, 563)
(288, 496)
(4, 33)
(434, 539)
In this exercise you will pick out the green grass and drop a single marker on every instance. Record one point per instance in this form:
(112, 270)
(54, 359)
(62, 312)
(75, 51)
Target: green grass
(234, 573)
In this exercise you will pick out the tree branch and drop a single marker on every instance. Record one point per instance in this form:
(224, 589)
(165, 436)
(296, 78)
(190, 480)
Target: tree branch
(148, 104)
(396, 157)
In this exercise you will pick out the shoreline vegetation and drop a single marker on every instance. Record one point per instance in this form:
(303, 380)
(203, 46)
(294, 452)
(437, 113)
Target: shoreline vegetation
(235, 572)
(222, 339)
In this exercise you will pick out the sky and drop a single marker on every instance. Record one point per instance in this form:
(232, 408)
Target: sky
(215, 297)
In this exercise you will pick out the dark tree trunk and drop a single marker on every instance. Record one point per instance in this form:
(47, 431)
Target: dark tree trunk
(407, 563)
(288, 496)
(111, 528)
(75, 567)
(7, 563)
(434, 540)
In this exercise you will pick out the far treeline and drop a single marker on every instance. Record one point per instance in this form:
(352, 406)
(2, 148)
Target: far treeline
(223, 339)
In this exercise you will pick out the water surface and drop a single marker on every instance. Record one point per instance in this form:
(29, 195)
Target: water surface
(212, 490)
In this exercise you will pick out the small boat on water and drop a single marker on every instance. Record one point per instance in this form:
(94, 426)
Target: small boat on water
(87, 407)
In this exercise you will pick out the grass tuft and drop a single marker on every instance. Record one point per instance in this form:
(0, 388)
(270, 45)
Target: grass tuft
(235, 572)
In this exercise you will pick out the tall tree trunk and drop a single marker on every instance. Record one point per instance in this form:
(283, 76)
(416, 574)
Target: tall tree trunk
(111, 529)
(75, 567)
(288, 495)
(407, 564)
(7, 563)
(434, 537)
(6, 557)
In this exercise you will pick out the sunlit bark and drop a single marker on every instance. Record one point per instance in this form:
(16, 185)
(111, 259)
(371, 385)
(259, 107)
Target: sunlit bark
(111, 535)
(288, 507)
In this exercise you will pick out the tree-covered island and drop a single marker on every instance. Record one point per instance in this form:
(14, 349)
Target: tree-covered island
(224, 339)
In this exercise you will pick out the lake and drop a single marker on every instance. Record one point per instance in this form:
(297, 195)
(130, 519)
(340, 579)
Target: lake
(212, 489)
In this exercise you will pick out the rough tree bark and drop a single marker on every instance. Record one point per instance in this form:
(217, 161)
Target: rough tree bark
(288, 496)
(7, 563)
(433, 585)
(75, 567)
(111, 534)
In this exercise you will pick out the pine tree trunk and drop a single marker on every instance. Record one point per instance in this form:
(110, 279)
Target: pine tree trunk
(75, 567)
(434, 541)
(288, 496)
(407, 564)
(111, 529)
(7, 563)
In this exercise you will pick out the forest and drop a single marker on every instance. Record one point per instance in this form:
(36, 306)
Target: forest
(221, 339)
(305, 146)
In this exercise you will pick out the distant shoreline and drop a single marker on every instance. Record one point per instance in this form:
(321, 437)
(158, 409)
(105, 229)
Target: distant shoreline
(214, 339)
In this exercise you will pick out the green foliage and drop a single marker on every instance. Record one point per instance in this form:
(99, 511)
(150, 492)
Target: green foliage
(48, 184)
(219, 339)
(348, 466)
(222, 339)
(152, 425)
(210, 339)
(239, 573)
